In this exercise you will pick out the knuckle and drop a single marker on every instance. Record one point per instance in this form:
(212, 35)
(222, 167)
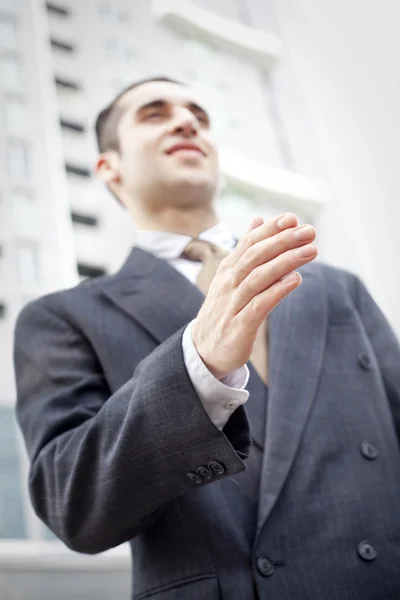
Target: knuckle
(247, 261)
(224, 264)
(224, 273)
(256, 307)
(284, 242)
(288, 240)
(251, 253)
(227, 282)
(292, 259)
(247, 240)
(240, 272)
(246, 288)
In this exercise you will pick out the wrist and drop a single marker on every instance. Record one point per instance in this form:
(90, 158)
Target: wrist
(215, 372)
(197, 342)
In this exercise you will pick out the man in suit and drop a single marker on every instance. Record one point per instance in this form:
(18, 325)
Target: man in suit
(239, 429)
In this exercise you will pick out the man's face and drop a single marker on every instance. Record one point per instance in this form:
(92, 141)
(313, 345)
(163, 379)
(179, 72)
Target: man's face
(166, 148)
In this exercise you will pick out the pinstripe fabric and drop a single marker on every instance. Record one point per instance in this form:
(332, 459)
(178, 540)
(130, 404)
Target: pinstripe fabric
(113, 427)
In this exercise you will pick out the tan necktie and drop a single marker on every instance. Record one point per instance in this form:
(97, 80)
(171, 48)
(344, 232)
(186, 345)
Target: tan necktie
(210, 256)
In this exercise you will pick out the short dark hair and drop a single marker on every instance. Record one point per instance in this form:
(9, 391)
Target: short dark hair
(108, 119)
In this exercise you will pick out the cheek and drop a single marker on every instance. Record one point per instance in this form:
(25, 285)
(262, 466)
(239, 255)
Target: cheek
(139, 168)
(136, 158)
(212, 149)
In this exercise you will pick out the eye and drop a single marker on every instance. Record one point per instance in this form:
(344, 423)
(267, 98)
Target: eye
(203, 119)
(154, 115)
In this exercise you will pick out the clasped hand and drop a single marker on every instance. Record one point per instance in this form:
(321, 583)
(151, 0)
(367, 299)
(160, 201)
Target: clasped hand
(249, 283)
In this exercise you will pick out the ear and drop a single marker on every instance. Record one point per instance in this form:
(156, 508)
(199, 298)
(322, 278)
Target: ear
(107, 168)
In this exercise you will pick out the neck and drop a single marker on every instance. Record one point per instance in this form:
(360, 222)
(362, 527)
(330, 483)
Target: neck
(186, 220)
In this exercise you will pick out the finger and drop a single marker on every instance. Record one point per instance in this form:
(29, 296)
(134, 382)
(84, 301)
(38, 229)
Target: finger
(266, 275)
(261, 232)
(255, 222)
(266, 250)
(261, 305)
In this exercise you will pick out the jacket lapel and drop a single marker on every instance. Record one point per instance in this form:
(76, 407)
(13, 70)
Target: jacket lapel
(153, 293)
(297, 334)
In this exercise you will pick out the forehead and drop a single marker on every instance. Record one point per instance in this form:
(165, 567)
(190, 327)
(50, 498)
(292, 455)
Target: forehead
(172, 93)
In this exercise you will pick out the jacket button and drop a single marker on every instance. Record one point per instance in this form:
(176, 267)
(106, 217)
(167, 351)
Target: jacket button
(204, 473)
(265, 566)
(365, 362)
(216, 467)
(366, 550)
(368, 450)
(193, 478)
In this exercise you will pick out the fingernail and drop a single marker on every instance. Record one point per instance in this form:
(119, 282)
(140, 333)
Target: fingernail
(304, 233)
(306, 251)
(291, 278)
(288, 220)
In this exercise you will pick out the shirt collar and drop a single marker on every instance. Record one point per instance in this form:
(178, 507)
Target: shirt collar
(169, 246)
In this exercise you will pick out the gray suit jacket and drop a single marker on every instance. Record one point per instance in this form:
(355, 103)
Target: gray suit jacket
(121, 448)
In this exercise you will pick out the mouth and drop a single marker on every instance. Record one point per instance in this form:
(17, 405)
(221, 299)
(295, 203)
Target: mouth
(187, 148)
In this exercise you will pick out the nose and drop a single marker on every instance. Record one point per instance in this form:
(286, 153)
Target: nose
(186, 124)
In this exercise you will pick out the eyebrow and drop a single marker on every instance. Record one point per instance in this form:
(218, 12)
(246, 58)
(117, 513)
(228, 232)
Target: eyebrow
(159, 103)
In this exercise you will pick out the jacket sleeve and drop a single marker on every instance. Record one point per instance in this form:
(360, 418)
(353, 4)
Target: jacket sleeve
(386, 347)
(103, 466)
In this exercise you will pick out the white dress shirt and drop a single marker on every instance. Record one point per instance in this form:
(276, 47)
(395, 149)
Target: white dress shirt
(220, 398)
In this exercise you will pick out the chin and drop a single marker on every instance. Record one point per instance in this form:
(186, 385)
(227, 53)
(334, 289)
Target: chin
(204, 184)
(194, 187)
(195, 177)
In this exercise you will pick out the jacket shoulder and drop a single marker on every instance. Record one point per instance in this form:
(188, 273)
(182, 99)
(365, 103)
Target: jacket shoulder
(326, 270)
(340, 285)
(60, 303)
(329, 273)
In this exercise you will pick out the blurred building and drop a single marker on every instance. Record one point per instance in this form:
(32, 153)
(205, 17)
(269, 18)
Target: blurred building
(60, 63)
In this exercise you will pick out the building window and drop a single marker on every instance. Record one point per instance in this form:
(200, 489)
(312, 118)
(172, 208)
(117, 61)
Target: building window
(15, 116)
(72, 125)
(76, 170)
(108, 13)
(12, 524)
(23, 209)
(86, 270)
(113, 49)
(10, 73)
(81, 219)
(28, 263)
(67, 83)
(57, 9)
(3, 310)
(119, 53)
(105, 8)
(124, 17)
(8, 32)
(130, 53)
(60, 45)
(17, 161)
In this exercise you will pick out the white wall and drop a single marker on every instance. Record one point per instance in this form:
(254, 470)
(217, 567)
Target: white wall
(346, 56)
(48, 570)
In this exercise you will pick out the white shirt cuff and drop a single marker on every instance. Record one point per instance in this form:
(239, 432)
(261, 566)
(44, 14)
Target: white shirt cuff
(219, 398)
